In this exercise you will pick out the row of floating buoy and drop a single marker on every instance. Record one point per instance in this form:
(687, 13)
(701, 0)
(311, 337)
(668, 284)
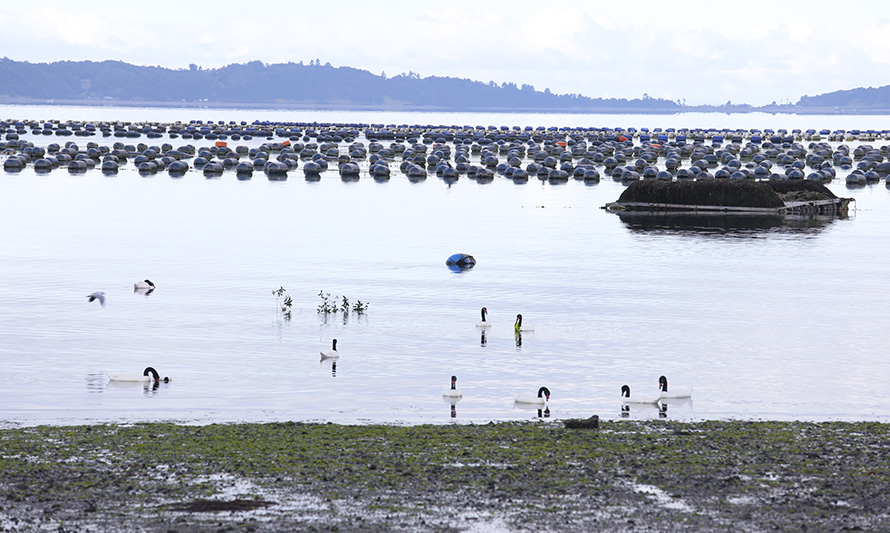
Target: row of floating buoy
(423, 135)
(340, 132)
(577, 157)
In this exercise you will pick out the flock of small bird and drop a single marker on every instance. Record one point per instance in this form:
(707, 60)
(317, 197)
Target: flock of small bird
(145, 285)
(543, 395)
(528, 398)
(149, 375)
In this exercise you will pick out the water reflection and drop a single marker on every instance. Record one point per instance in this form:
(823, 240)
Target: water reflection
(518, 337)
(151, 388)
(677, 402)
(722, 224)
(543, 411)
(99, 383)
(685, 404)
(483, 341)
(452, 401)
(96, 383)
(643, 408)
(333, 365)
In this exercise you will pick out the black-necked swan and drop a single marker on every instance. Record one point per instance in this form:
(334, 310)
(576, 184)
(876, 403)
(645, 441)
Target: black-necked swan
(143, 285)
(676, 392)
(333, 353)
(453, 392)
(484, 323)
(627, 398)
(98, 295)
(149, 374)
(517, 326)
(528, 397)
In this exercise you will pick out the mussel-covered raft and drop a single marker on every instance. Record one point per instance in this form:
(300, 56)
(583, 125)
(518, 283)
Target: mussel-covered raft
(738, 196)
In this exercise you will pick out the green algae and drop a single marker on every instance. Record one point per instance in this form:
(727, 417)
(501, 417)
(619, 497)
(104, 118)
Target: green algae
(750, 475)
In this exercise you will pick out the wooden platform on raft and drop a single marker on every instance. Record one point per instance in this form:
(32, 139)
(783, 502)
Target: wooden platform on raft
(798, 197)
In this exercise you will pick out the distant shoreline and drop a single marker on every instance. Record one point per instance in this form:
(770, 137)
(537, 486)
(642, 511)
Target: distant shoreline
(318, 106)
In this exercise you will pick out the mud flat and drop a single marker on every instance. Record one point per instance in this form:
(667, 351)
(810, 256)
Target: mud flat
(627, 475)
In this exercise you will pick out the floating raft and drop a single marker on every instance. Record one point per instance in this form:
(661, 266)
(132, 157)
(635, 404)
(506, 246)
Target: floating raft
(786, 197)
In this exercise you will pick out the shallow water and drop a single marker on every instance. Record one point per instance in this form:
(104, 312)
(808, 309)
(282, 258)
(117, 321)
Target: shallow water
(777, 319)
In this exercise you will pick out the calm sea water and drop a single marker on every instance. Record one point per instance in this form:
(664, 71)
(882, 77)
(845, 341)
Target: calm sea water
(781, 319)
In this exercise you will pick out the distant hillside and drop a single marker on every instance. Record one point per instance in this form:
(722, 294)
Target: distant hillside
(853, 100)
(289, 84)
(317, 86)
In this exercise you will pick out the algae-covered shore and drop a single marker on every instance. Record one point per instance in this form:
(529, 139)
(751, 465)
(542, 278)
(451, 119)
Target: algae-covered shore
(626, 475)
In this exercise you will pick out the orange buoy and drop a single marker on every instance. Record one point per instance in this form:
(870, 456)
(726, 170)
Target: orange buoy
(221, 144)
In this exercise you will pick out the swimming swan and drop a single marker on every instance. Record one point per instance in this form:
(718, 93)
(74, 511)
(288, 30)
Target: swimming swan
(627, 398)
(519, 327)
(145, 377)
(677, 392)
(143, 285)
(528, 397)
(98, 295)
(484, 323)
(333, 353)
(453, 392)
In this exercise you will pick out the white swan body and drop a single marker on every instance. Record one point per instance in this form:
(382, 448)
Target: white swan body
(627, 398)
(332, 353)
(143, 285)
(674, 392)
(484, 323)
(453, 392)
(519, 327)
(148, 375)
(98, 295)
(530, 398)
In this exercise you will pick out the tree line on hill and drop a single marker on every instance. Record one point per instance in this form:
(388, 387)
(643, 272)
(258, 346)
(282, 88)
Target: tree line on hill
(323, 86)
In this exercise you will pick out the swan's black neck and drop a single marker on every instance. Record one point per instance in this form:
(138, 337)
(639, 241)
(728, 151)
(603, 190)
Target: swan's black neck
(625, 391)
(334, 345)
(663, 384)
(518, 321)
(453, 382)
(484, 311)
(154, 373)
(544, 391)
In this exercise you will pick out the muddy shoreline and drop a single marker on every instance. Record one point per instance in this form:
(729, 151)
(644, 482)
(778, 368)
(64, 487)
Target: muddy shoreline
(626, 475)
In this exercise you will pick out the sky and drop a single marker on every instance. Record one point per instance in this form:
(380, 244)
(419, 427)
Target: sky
(753, 52)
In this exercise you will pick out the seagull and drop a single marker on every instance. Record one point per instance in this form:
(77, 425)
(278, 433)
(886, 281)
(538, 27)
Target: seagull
(98, 295)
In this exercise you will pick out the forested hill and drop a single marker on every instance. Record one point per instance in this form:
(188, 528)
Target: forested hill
(862, 100)
(318, 86)
(289, 84)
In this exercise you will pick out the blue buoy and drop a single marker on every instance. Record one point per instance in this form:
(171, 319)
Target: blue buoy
(458, 262)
